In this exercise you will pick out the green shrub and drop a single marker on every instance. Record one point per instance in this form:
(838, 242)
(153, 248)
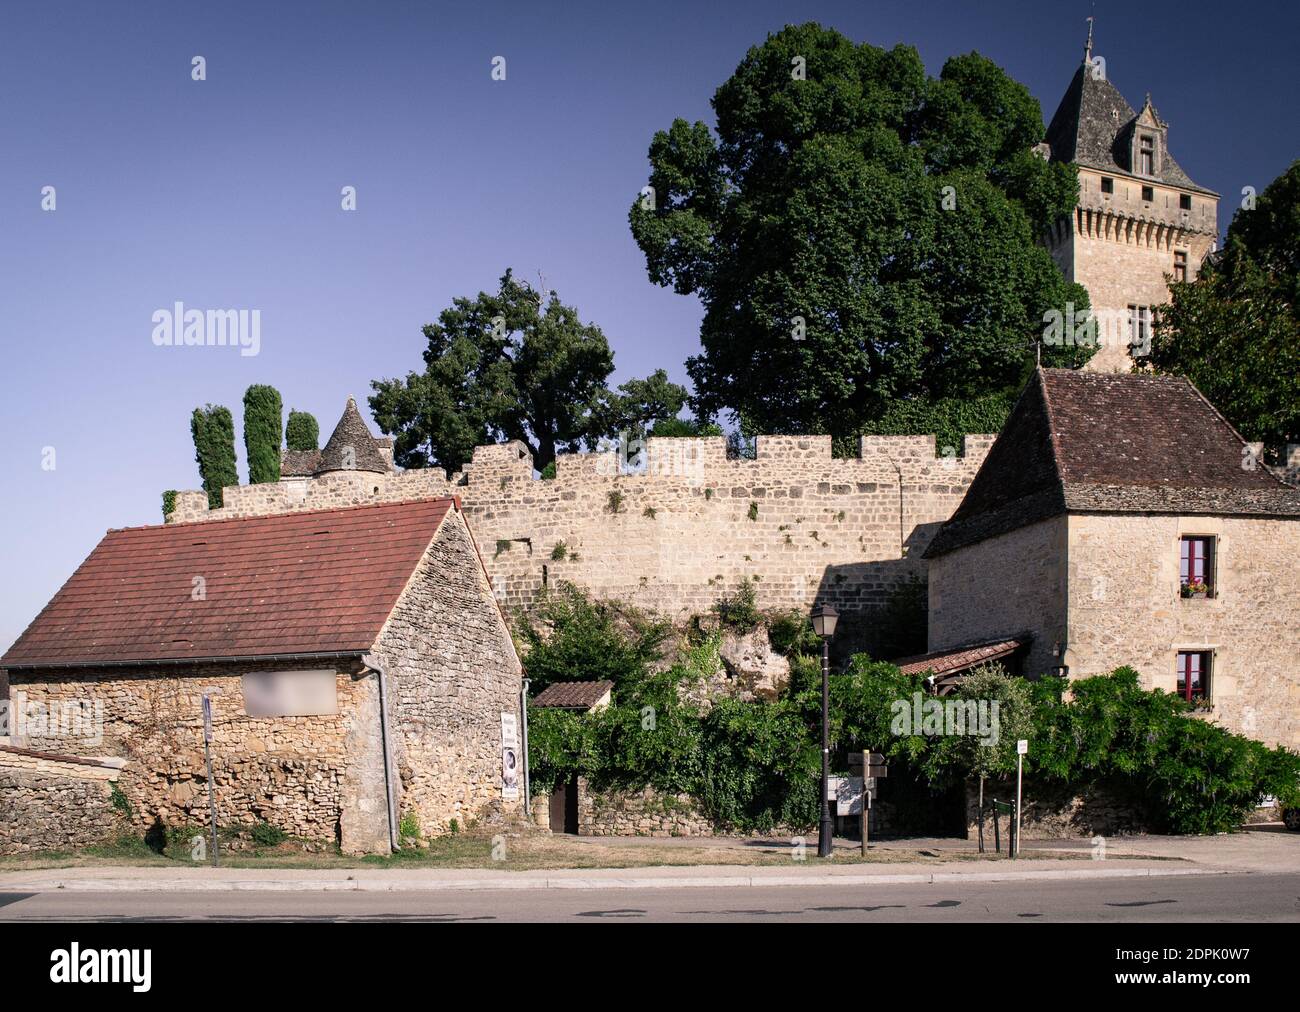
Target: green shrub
(548, 472)
(120, 802)
(302, 432)
(266, 835)
(791, 633)
(739, 610)
(409, 826)
(614, 503)
(570, 637)
(559, 551)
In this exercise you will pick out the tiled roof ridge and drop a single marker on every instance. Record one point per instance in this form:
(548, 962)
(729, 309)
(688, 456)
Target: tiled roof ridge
(203, 523)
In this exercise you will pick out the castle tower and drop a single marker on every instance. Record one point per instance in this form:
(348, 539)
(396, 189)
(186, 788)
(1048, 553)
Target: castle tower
(1139, 217)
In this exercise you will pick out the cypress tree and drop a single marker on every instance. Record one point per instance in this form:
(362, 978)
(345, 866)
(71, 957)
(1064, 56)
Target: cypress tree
(213, 429)
(302, 432)
(263, 410)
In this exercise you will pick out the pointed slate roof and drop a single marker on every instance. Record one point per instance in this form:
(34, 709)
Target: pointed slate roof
(1085, 442)
(1092, 125)
(314, 582)
(352, 432)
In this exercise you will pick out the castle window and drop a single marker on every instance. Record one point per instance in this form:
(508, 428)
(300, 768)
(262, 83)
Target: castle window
(1139, 327)
(1196, 566)
(1107, 184)
(1185, 201)
(1148, 194)
(1194, 674)
(1180, 266)
(1147, 154)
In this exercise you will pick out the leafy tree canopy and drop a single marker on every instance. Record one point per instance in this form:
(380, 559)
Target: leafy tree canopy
(1235, 330)
(858, 232)
(512, 365)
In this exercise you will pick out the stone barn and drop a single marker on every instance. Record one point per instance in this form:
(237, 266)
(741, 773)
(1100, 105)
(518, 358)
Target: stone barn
(358, 666)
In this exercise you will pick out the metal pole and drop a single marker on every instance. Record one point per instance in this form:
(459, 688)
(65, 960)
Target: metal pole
(523, 709)
(207, 755)
(824, 836)
(1020, 765)
(981, 815)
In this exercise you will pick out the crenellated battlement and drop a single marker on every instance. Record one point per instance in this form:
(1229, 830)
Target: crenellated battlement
(681, 525)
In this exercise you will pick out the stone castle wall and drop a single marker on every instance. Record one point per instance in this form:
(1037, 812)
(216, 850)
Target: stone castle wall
(799, 524)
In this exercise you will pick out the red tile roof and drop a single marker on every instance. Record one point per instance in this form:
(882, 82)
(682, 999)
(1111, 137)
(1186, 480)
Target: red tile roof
(944, 662)
(321, 581)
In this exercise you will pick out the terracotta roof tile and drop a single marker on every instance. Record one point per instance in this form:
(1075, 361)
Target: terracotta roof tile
(572, 695)
(311, 582)
(944, 662)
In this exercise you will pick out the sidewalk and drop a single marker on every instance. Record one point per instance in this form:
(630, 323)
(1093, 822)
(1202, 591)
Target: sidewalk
(429, 879)
(1258, 851)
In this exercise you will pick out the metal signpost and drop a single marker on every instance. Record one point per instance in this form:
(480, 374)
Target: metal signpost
(1022, 749)
(207, 753)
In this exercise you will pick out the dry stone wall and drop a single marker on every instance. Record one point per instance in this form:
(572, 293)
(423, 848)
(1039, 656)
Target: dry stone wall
(801, 525)
(292, 772)
(49, 803)
(453, 673)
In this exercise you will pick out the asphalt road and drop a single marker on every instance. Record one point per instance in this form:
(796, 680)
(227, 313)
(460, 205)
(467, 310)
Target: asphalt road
(1256, 897)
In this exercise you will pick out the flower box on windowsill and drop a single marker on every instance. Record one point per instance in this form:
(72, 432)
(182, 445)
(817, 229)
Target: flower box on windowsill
(1202, 706)
(1194, 590)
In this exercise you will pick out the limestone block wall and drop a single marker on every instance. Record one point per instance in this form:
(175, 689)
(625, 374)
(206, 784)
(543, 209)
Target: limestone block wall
(51, 803)
(1009, 584)
(1125, 608)
(801, 525)
(293, 772)
(453, 671)
(1120, 247)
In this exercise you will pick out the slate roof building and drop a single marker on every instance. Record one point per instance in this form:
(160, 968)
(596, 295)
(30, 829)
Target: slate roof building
(358, 664)
(1140, 217)
(1119, 519)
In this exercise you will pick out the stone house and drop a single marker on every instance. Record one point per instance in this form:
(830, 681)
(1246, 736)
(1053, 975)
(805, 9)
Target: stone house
(1140, 219)
(358, 665)
(1120, 520)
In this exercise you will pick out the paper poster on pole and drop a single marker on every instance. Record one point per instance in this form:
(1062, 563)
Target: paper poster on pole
(510, 760)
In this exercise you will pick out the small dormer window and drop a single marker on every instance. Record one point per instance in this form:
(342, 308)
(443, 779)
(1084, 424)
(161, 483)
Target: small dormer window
(1107, 184)
(1147, 155)
(1148, 194)
(1185, 201)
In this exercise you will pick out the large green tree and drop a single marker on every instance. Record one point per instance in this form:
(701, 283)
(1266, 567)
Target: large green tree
(213, 429)
(511, 365)
(263, 432)
(1235, 330)
(858, 233)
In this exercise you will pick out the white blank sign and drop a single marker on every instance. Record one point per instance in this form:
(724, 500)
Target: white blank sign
(290, 693)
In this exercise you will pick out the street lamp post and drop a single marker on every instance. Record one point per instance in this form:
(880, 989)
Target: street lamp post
(824, 618)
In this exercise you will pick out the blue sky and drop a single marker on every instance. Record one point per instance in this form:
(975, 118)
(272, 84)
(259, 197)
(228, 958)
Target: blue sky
(226, 193)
